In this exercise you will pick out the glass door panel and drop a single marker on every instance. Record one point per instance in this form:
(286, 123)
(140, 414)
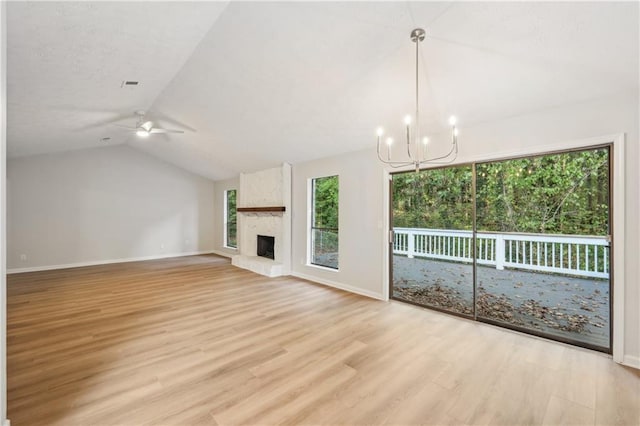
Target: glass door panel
(542, 247)
(432, 250)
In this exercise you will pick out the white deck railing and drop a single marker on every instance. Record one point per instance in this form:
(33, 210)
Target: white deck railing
(565, 254)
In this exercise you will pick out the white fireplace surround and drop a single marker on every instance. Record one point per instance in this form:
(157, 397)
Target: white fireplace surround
(266, 188)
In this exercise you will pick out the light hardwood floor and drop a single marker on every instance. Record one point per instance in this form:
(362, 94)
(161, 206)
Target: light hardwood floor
(195, 341)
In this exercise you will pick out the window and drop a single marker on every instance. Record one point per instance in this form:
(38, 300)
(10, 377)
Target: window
(230, 226)
(324, 222)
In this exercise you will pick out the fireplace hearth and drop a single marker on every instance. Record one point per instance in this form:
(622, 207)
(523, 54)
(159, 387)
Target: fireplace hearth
(266, 245)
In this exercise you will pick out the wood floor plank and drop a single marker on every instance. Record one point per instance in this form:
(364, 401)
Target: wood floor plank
(196, 341)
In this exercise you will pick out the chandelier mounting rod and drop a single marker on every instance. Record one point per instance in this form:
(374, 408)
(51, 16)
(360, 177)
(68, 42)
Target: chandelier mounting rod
(417, 36)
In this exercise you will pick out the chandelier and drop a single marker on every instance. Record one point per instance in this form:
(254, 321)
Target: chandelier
(417, 153)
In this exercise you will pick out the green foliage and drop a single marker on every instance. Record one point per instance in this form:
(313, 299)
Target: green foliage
(232, 219)
(436, 198)
(325, 202)
(565, 193)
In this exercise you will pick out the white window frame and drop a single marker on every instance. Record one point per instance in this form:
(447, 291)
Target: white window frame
(310, 220)
(225, 242)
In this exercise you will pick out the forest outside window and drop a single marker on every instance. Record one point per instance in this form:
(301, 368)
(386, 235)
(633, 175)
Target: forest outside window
(324, 222)
(230, 220)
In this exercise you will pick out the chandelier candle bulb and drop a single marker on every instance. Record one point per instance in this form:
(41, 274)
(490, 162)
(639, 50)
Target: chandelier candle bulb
(425, 141)
(409, 141)
(417, 154)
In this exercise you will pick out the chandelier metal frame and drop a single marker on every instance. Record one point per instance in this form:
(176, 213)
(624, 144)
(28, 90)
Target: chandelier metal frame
(417, 154)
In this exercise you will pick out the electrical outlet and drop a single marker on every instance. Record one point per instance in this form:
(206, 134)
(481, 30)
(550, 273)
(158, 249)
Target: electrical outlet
(162, 246)
(23, 257)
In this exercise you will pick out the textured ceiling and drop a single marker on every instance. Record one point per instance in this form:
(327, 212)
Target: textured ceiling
(66, 62)
(256, 84)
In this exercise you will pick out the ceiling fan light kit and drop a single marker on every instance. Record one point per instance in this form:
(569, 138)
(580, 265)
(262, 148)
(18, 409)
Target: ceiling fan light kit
(416, 154)
(145, 128)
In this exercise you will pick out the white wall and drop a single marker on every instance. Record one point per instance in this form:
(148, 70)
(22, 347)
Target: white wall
(360, 221)
(363, 207)
(104, 204)
(218, 217)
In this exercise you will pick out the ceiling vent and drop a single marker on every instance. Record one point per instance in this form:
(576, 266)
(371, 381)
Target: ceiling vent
(129, 83)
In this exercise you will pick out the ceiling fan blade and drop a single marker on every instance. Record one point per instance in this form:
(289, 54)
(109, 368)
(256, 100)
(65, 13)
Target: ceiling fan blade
(102, 122)
(158, 130)
(163, 118)
(133, 129)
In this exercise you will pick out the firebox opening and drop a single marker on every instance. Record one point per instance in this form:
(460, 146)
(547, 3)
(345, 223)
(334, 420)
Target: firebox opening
(266, 246)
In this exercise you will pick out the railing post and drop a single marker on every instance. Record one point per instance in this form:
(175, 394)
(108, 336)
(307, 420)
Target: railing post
(411, 244)
(500, 252)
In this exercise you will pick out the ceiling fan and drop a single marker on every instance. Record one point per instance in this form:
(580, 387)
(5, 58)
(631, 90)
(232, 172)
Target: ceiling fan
(144, 128)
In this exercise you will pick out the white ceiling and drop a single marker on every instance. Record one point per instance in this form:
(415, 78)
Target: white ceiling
(256, 84)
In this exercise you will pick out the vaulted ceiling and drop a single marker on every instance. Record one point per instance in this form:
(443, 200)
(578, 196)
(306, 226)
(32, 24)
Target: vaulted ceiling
(256, 84)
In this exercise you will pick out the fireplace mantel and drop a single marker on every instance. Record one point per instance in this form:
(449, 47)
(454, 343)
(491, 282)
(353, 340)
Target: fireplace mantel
(270, 209)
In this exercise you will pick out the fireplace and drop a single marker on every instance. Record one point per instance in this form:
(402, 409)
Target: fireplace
(264, 237)
(266, 246)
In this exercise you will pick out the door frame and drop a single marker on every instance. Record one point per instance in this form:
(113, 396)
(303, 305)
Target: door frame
(617, 211)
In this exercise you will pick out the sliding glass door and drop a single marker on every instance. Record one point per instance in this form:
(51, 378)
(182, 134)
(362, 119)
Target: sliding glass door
(522, 243)
(433, 238)
(543, 246)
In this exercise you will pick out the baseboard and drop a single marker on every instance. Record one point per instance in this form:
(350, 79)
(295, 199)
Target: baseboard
(104, 262)
(223, 253)
(6, 422)
(338, 285)
(631, 361)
